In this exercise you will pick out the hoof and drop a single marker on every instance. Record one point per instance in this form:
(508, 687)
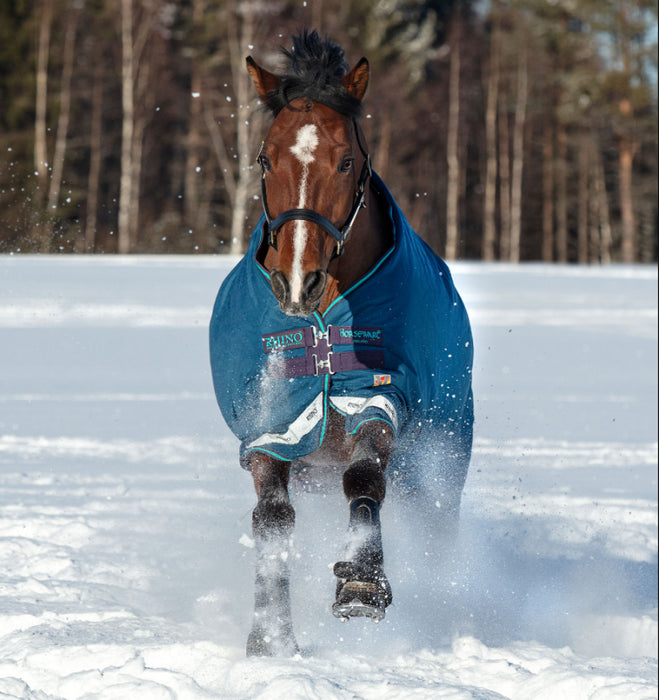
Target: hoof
(360, 592)
(358, 599)
(259, 643)
(366, 576)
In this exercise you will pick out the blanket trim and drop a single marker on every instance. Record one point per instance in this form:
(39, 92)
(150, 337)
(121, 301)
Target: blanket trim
(317, 410)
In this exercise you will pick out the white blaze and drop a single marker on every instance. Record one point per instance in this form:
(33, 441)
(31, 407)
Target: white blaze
(306, 142)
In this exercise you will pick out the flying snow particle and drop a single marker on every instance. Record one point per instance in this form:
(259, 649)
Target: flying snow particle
(246, 541)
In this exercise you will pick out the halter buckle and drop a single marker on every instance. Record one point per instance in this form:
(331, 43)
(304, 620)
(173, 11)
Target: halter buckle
(272, 238)
(258, 155)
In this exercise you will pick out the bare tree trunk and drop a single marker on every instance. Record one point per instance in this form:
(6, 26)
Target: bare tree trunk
(205, 240)
(518, 153)
(128, 125)
(453, 184)
(489, 213)
(136, 180)
(62, 126)
(192, 211)
(626, 144)
(384, 145)
(95, 157)
(504, 183)
(561, 194)
(239, 217)
(605, 243)
(192, 159)
(548, 192)
(244, 178)
(594, 219)
(232, 141)
(582, 196)
(41, 99)
(143, 95)
(419, 207)
(220, 150)
(317, 13)
(626, 157)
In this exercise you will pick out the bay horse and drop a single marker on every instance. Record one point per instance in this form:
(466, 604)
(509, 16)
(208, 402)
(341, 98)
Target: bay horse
(339, 341)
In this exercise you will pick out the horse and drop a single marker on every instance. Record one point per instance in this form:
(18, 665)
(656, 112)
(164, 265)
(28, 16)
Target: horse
(339, 341)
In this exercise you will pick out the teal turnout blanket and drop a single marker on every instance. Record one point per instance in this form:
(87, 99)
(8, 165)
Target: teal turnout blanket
(395, 348)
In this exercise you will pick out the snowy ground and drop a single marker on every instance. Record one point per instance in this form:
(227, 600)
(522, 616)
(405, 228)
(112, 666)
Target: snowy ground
(125, 558)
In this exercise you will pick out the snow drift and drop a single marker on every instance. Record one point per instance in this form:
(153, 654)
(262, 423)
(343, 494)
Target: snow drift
(125, 546)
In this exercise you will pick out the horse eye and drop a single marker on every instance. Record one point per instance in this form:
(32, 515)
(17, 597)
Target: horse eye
(346, 165)
(265, 162)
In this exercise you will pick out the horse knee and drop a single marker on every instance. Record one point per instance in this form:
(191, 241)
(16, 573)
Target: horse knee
(364, 478)
(273, 515)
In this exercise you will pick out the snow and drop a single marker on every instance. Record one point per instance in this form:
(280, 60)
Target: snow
(126, 556)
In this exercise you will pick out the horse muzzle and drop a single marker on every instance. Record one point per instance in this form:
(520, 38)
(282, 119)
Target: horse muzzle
(308, 297)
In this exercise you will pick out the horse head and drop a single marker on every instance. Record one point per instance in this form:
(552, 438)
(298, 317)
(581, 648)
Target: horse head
(313, 165)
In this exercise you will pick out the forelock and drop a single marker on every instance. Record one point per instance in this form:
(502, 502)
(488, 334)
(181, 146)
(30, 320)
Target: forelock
(314, 71)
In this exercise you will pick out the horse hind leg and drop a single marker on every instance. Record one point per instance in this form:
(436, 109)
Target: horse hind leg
(362, 588)
(272, 524)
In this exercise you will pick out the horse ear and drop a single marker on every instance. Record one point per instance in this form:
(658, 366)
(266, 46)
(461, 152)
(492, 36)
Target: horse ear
(263, 80)
(356, 81)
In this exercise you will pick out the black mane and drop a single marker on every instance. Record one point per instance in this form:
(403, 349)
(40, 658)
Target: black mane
(315, 69)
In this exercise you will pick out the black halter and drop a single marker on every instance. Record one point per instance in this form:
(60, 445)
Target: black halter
(339, 235)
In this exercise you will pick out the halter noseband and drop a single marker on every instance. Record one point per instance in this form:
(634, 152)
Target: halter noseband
(339, 235)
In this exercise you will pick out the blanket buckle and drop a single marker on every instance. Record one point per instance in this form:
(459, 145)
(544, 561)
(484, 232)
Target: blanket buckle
(320, 335)
(323, 364)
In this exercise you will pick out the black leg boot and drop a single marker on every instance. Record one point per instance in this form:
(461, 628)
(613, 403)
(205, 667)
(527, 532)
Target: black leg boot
(363, 589)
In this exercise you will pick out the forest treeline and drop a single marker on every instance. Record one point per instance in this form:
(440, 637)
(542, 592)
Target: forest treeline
(518, 130)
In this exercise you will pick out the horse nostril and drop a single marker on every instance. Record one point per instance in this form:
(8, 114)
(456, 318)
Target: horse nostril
(314, 285)
(312, 292)
(279, 285)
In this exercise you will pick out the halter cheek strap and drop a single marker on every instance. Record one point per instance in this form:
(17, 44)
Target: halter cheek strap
(339, 235)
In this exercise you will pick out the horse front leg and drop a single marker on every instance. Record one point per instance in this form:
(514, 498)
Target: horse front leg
(273, 519)
(363, 589)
